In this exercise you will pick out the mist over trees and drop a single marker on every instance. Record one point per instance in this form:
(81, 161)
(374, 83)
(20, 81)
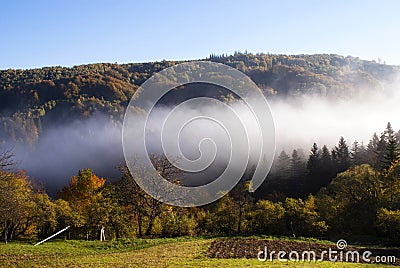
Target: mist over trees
(351, 188)
(84, 105)
(345, 191)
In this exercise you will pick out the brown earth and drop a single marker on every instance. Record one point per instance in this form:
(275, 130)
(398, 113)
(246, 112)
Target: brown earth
(250, 247)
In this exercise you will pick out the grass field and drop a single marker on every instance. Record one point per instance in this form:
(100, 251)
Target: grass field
(163, 252)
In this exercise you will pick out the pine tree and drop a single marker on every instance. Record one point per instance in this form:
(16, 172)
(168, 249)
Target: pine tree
(392, 153)
(358, 154)
(314, 168)
(326, 159)
(328, 172)
(342, 155)
(380, 152)
(296, 165)
(371, 153)
(363, 153)
(314, 161)
(388, 132)
(283, 165)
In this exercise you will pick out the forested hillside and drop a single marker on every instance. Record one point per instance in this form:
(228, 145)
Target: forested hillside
(32, 100)
(68, 121)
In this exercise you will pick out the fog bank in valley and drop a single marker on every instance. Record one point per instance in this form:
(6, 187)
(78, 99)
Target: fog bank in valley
(299, 121)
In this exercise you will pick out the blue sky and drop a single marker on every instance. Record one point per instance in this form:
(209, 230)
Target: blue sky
(67, 33)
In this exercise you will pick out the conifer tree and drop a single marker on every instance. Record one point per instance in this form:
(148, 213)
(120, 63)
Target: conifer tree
(342, 155)
(296, 165)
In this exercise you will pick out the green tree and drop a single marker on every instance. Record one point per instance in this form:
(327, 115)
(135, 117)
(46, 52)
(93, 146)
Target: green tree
(392, 186)
(267, 218)
(388, 223)
(44, 214)
(359, 193)
(391, 153)
(302, 217)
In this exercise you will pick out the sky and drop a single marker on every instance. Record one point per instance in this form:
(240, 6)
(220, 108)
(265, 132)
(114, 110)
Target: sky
(68, 32)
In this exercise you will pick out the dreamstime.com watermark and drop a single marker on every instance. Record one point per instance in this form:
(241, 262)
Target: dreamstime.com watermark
(338, 254)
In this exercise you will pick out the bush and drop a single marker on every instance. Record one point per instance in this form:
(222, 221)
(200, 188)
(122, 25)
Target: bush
(388, 223)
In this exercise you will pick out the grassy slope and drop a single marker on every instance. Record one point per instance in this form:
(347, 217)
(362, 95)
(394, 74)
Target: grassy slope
(179, 252)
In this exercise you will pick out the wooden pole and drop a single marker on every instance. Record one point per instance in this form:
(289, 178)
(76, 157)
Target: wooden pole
(50, 237)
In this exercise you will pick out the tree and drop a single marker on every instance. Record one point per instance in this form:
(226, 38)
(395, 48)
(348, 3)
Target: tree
(314, 170)
(297, 168)
(178, 221)
(222, 218)
(357, 154)
(145, 208)
(106, 212)
(327, 172)
(83, 191)
(267, 218)
(242, 200)
(16, 203)
(372, 151)
(302, 217)
(283, 165)
(359, 193)
(342, 156)
(388, 223)
(391, 153)
(314, 161)
(43, 214)
(382, 158)
(65, 215)
(392, 186)
(7, 160)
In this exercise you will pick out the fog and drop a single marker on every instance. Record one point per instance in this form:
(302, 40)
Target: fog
(96, 142)
(303, 120)
(64, 149)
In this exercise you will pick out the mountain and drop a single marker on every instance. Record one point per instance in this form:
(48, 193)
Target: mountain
(32, 100)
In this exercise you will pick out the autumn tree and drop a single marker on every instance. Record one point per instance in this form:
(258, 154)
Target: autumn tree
(16, 203)
(83, 191)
